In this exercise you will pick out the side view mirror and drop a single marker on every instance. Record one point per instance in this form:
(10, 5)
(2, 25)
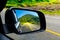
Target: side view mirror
(23, 21)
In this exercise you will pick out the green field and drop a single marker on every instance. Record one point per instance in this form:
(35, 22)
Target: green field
(29, 3)
(35, 3)
(51, 12)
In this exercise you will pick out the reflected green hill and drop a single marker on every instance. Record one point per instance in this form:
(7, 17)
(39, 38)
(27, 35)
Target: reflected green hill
(29, 18)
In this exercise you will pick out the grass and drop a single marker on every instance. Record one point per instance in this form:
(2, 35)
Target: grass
(43, 4)
(51, 12)
(30, 4)
(33, 4)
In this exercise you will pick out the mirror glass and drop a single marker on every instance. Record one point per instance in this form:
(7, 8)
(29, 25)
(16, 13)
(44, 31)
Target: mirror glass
(27, 21)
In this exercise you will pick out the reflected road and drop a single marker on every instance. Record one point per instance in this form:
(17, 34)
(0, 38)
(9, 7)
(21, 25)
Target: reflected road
(27, 27)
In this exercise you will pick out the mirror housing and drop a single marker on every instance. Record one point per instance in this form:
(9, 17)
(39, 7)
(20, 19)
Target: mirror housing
(10, 20)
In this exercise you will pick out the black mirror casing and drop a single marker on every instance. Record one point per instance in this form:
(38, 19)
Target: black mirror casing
(10, 20)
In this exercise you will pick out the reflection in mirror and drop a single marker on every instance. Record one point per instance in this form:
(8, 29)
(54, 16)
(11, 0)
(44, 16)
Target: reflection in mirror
(28, 21)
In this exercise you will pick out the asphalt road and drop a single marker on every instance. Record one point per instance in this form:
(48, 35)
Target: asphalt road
(35, 36)
(53, 23)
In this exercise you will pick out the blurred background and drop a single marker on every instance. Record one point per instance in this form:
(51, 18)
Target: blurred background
(50, 7)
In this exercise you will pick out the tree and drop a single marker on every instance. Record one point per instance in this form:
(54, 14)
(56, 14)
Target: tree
(29, 18)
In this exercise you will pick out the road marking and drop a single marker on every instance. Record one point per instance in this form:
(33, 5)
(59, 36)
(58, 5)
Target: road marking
(55, 33)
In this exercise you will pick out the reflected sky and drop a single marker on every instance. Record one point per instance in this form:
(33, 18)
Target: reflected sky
(20, 13)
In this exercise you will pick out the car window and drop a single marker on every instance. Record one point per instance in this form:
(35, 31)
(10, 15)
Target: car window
(51, 9)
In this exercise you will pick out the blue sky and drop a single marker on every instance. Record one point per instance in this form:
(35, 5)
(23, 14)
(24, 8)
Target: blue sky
(20, 13)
